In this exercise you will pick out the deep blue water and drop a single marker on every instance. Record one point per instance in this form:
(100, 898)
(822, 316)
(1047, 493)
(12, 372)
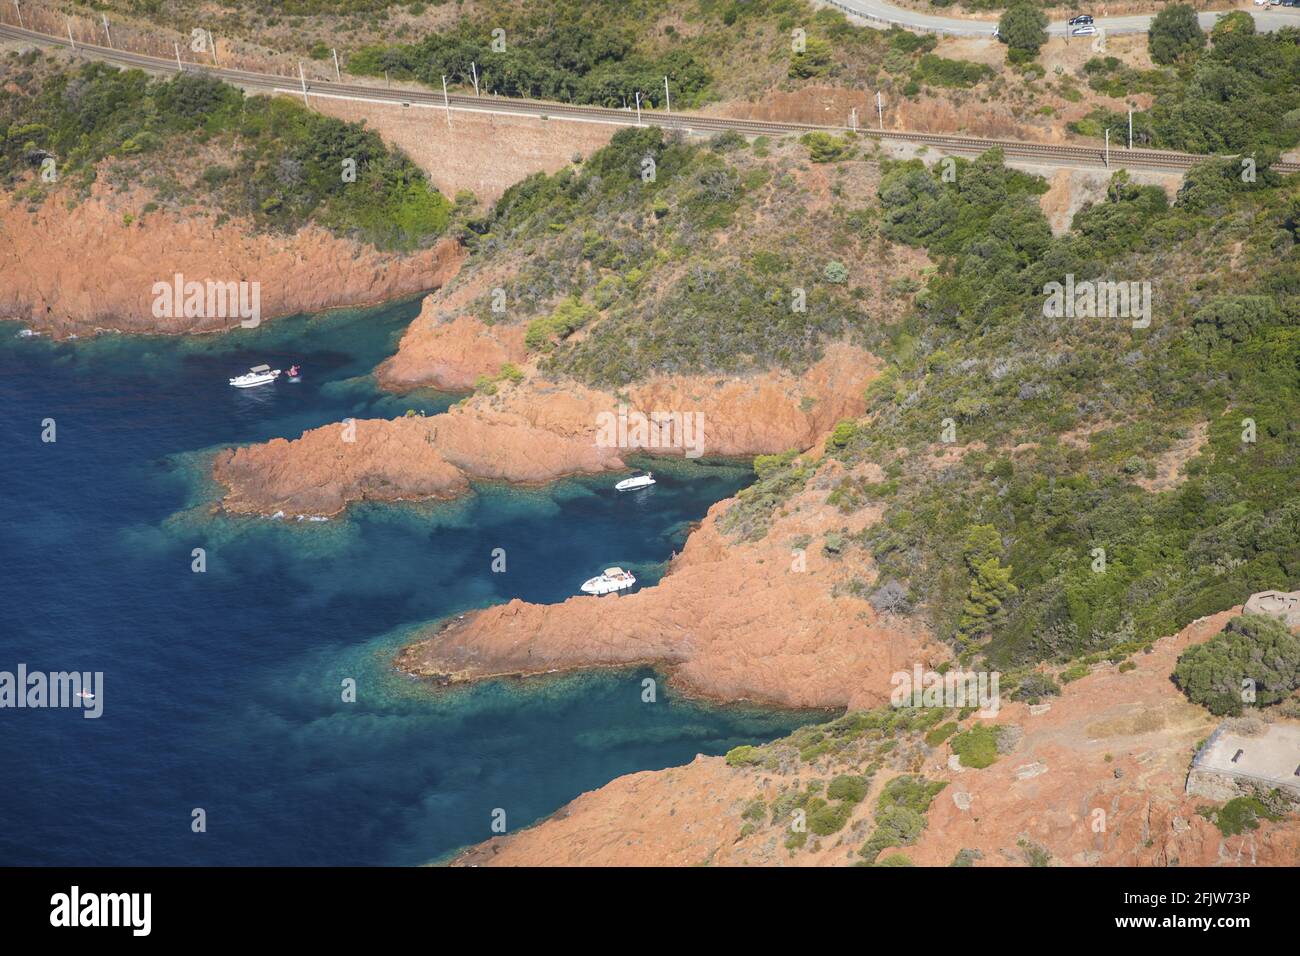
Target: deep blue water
(222, 690)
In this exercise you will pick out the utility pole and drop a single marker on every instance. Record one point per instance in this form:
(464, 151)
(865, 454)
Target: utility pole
(303, 79)
(179, 67)
(880, 109)
(668, 100)
(446, 103)
(473, 71)
(106, 32)
(638, 107)
(338, 74)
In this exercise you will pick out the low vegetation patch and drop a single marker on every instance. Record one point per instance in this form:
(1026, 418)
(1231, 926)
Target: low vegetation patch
(1254, 660)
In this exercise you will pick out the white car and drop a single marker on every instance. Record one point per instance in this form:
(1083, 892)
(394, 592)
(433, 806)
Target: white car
(1083, 30)
(1261, 3)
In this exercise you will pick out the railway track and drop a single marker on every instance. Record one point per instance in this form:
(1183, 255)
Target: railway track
(1056, 154)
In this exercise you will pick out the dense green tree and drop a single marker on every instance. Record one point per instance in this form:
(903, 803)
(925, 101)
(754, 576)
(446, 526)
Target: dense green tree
(990, 582)
(1174, 33)
(1023, 28)
(1251, 648)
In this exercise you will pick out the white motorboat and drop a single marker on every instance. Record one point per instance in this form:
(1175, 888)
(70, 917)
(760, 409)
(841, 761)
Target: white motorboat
(614, 579)
(257, 375)
(636, 481)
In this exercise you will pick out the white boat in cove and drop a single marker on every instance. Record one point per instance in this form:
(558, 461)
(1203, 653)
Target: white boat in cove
(257, 375)
(636, 481)
(614, 579)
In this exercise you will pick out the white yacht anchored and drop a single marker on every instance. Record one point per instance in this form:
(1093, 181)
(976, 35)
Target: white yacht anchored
(614, 579)
(636, 481)
(257, 375)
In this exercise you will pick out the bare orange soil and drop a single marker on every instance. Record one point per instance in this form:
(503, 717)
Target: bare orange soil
(91, 268)
(1096, 780)
(485, 153)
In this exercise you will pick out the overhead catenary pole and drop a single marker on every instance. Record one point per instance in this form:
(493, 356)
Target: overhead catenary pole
(668, 100)
(1108, 146)
(446, 103)
(20, 14)
(473, 72)
(338, 74)
(1130, 129)
(853, 118)
(302, 77)
(70, 39)
(212, 45)
(638, 107)
(880, 110)
(107, 34)
(179, 67)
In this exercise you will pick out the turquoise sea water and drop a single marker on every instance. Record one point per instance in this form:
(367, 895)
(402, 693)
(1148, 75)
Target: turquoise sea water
(222, 690)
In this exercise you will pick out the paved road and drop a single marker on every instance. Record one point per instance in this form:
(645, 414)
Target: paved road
(1266, 19)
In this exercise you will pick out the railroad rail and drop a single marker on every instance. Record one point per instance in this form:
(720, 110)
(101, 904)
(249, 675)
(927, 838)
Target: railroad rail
(1051, 153)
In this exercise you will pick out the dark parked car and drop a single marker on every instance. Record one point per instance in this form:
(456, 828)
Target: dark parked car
(1080, 20)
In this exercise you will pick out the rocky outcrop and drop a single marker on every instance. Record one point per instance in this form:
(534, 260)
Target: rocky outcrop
(758, 621)
(1110, 757)
(399, 460)
(100, 257)
(539, 431)
(450, 353)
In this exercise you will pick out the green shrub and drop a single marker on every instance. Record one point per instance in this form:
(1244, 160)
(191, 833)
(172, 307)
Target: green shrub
(827, 818)
(569, 316)
(977, 747)
(1034, 685)
(1250, 647)
(843, 433)
(848, 787)
(1239, 815)
(826, 148)
(896, 859)
(941, 733)
(1074, 672)
(960, 74)
(900, 813)
(744, 756)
